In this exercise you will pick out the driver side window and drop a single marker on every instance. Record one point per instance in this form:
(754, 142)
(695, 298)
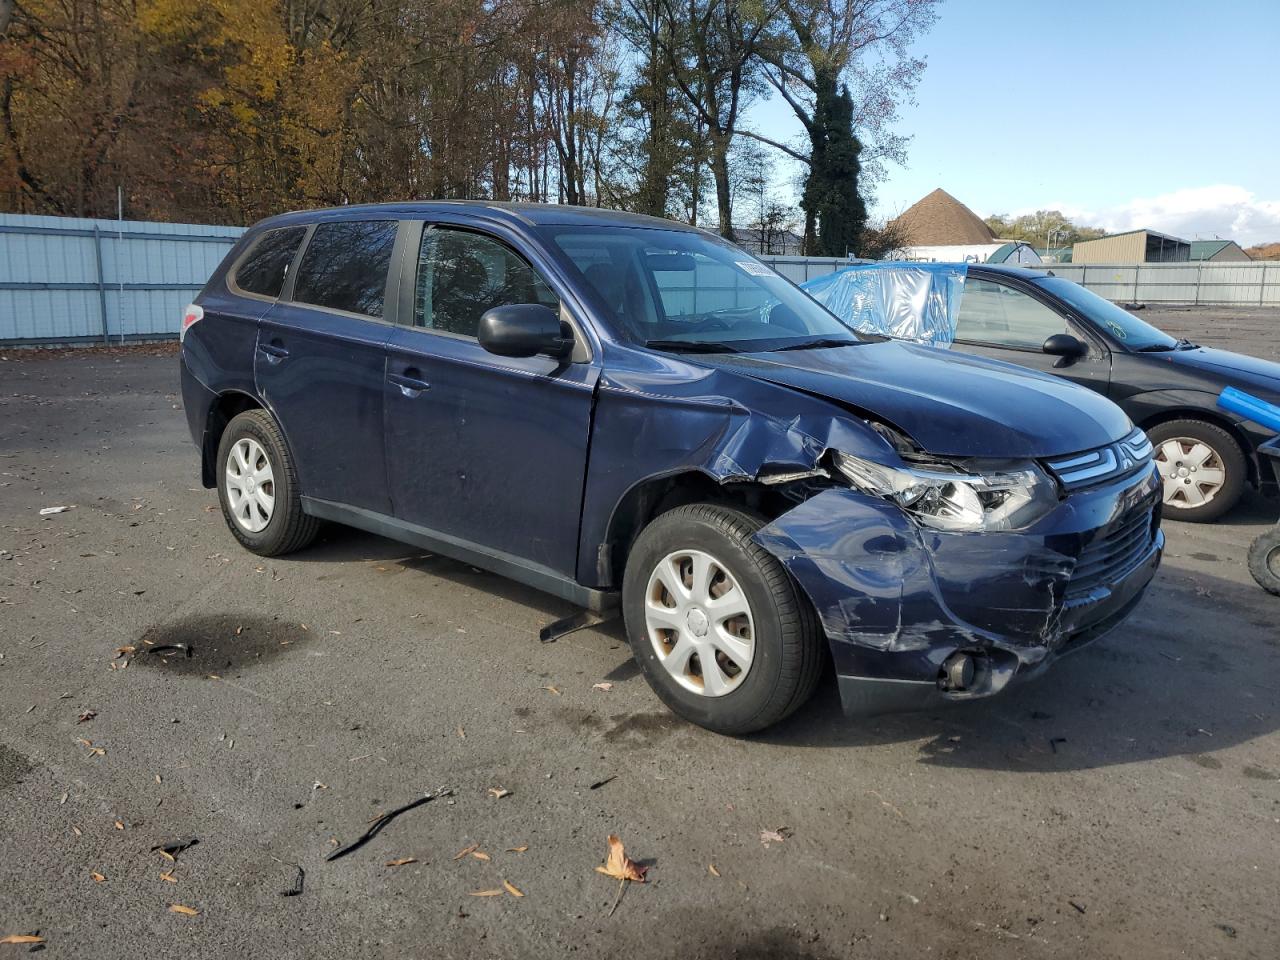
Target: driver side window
(463, 274)
(996, 314)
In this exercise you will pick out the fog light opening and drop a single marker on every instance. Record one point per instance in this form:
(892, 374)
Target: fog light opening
(958, 672)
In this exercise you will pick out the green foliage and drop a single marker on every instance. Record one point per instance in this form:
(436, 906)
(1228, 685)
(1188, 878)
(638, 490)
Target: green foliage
(1042, 228)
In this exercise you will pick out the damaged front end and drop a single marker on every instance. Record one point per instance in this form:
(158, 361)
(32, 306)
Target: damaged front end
(918, 613)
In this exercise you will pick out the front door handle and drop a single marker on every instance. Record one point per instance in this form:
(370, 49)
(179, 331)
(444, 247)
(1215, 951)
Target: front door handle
(410, 382)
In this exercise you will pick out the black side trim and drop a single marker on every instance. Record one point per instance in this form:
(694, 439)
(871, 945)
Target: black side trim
(503, 564)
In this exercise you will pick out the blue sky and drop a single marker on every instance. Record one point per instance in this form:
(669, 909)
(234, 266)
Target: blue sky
(1125, 113)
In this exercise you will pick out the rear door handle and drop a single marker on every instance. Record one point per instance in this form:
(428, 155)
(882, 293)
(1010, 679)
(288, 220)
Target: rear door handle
(410, 382)
(274, 352)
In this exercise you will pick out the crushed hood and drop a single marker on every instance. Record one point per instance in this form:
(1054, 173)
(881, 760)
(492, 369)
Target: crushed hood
(951, 404)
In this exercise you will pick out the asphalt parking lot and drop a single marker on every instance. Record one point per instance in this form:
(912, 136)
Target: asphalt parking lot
(1126, 805)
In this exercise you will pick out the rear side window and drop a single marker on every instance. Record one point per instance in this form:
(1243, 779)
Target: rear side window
(263, 270)
(345, 266)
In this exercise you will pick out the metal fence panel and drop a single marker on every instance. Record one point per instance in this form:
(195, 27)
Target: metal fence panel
(69, 279)
(800, 269)
(1231, 284)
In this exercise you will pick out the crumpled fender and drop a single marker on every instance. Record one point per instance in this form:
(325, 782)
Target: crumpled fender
(665, 417)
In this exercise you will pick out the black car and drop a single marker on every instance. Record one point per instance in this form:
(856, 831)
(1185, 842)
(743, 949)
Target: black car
(1169, 387)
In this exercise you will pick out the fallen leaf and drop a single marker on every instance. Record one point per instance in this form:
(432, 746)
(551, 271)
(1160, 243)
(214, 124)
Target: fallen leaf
(602, 686)
(499, 792)
(168, 877)
(471, 849)
(21, 938)
(168, 856)
(122, 651)
(518, 849)
(485, 893)
(402, 861)
(552, 690)
(711, 869)
(462, 734)
(83, 742)
(50, 511)
(119, 825)
(480, 855)
(512, 889)
(86, 716)
(76, 831)
(619, 865)
(97, 752)
(97, 877)
(63, 798)
(185, 911)
(774, 836)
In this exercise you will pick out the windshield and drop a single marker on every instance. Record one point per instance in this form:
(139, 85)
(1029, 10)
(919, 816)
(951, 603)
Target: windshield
(676, 290)
(1119, 323)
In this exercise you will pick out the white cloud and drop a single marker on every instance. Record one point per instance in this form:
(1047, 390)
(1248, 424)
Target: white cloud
(1196, 213)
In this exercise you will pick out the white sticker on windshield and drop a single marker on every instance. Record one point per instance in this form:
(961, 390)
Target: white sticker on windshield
(753, 268)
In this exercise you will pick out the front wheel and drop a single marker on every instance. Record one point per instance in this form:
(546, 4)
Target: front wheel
(718, 626)
(1202, 467)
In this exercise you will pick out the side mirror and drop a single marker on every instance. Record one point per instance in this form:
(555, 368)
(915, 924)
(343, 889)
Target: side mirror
(524, 330)
(1066, 346)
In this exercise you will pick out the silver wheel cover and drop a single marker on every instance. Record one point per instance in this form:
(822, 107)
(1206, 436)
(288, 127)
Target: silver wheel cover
(1192, 472)
(699, 623)
(251, 487)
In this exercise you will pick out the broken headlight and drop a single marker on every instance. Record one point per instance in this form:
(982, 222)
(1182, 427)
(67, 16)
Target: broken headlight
(947, 496)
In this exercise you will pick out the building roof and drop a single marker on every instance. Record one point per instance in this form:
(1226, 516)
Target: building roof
(940, 220)
(1208, 249)
(1124, 233)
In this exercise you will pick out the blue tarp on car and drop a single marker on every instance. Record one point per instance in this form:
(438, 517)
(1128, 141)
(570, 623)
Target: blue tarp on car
(907, 301)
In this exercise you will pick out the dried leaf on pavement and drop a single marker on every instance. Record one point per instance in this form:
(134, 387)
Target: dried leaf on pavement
(774, 836)
(499, 792)
(480, 855)
(86, 716)
(602, 686)
(184, 910)
(97, 877)
(402, 861)
(21, 938)
(512, 889)
(552, 690)
(168, 877)
(711, 869)
(619, 865)
(119, 825)
(485, 893)
(518, 849)
(462, 853)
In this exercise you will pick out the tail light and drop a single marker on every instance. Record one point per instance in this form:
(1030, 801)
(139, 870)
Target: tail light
(194, 314)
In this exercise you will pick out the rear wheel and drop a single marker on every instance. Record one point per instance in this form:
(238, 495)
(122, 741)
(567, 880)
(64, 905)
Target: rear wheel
(258, 487)
(1264, 560)
(718, 626)
(1202, 467)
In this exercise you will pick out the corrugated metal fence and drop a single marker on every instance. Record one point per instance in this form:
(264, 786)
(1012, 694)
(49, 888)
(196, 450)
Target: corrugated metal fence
(67, 280)
(1237, 284)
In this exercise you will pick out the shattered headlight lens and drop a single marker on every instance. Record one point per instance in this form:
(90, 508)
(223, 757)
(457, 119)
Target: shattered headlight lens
(947, 496)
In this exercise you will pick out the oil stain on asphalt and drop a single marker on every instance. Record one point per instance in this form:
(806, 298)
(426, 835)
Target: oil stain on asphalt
(222, 643)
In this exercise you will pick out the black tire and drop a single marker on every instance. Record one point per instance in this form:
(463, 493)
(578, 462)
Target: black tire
(288, 528)
(1264, 560)
(788, 647)
(1227, 452)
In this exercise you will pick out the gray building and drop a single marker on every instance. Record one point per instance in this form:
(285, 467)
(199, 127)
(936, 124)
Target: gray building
(1219, 251)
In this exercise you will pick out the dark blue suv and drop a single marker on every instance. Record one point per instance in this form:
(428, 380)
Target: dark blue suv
(623, 410)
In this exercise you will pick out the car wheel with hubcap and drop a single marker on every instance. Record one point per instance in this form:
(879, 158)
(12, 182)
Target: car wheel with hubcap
(719, 628)
(1202, 467)
(258, 487)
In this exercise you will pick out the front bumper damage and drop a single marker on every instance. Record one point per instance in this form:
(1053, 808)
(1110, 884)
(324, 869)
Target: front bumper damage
(897, 601)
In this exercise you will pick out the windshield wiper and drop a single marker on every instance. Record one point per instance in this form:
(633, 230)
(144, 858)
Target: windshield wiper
(691, 346)
(1156, 348)
(817, 344)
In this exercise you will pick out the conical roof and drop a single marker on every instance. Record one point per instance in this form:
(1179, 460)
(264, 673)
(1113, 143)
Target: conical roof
(940, 220)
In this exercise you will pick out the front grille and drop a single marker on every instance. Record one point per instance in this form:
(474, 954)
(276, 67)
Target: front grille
(1113, 554)
(1102, 463)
